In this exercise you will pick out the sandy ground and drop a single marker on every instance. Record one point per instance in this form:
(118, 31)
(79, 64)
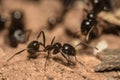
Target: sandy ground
(20, 68)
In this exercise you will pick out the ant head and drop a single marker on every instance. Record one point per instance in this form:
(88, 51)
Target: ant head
(16, 15)
(68, 49)
(33, 46)
(57, 47)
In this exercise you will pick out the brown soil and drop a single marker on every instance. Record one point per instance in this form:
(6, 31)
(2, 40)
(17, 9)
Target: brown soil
(20, 68)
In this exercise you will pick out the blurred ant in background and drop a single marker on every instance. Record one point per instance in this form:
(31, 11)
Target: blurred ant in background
(2, 18)
(2, 22)
(17, 33)
(52, 21)
(91, 22)
(33, 47)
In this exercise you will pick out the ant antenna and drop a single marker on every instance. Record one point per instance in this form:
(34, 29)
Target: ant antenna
(81, 43)
(15, 54)
(52, 40)
(87, 37)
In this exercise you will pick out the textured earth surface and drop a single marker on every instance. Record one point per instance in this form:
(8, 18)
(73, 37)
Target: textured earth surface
(36, 15)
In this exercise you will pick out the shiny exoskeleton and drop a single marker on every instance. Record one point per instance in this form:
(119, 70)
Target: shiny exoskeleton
(17, 32)
(33, 47)
(66, 50)
(90, 22)
(2, 22)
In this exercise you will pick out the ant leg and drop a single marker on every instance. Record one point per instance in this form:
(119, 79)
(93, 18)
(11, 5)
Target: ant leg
(47, 58)
(78, 61)
(52, 40)
(87, 37)
(44, 41)
(16, 54)
(29, 33)
(65, 57)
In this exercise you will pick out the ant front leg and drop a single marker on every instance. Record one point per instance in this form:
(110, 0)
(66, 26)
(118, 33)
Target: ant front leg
(68, 59)
(47, 58)
(15, 55)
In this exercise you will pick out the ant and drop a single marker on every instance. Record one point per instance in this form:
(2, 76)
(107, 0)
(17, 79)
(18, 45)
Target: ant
(2, 22)
(17, 33)
(33, 47)
(89, 23)
(66, 50)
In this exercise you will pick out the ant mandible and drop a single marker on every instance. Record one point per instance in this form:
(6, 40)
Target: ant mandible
(33, 47)
(17, 33)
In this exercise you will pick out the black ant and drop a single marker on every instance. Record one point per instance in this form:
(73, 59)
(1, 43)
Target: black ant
(17, 33)
(88, 24)
(33, 47)
(66, 50)
(2, 22)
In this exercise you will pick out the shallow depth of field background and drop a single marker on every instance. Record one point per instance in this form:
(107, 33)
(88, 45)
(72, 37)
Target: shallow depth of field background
(36, 19)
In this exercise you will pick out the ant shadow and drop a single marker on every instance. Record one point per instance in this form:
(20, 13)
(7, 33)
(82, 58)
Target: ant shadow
(63, 62)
